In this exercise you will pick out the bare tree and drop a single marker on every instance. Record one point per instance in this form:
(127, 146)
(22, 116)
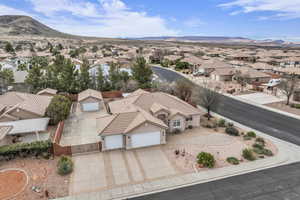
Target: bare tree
(241, 78)
(184, 89)
(288, 86)
(208, 98)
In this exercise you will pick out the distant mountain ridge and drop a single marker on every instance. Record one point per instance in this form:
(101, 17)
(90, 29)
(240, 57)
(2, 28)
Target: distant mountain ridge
(194, 38)
(14, 25)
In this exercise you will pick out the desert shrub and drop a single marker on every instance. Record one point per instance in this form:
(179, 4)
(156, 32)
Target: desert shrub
(233, 160)
(190, 127)
(229, 124)
(232, 131)
(58, 109)
(221, 123)
(206, 159)
(258, 151)
(294, 105)
(267, 152)
(251, 134)
(258, 146)
(246, 137)
(64, 165)
(260, 141)
(248, 154)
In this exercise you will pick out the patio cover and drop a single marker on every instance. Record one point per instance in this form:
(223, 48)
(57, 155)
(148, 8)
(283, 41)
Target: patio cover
(27, 126)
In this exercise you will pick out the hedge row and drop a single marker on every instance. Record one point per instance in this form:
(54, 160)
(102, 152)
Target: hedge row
(39, 148)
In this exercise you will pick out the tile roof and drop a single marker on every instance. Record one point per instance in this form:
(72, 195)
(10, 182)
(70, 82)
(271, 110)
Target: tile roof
(123, 123)
(146, 100)
(89, 93)
(30, 102)
(47, 90)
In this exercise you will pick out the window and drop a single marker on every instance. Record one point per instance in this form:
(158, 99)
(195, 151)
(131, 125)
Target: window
(176, 123)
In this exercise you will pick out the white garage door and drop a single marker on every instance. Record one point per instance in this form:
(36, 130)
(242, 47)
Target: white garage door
(145, 139)
(90, 106)
(114, 141)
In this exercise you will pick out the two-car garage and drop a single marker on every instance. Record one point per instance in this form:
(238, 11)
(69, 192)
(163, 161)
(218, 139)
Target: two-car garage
(136, 140)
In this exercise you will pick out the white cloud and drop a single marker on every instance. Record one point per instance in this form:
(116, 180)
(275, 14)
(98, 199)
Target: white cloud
(105, 18)
(283, 8)
(193, 23)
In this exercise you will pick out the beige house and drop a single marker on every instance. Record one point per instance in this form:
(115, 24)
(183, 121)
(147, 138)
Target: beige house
(91, 100)
(143, 119)
(253, 75)
(20, 106)
(223, 74)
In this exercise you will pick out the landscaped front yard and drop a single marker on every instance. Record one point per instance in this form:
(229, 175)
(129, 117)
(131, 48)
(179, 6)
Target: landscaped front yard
(115, 169)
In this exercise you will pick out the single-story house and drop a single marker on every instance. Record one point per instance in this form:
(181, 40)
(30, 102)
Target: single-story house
(143, 119)
(223, 74)
(20, 106)
(91, 100)
(253, 75)
(47, 92)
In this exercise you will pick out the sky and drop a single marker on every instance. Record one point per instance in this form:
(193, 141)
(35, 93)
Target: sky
(255, 19)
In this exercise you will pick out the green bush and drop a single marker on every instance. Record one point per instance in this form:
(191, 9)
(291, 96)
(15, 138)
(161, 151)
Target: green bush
(258, 146)
(251, 134)
(233, 160)
(38, 148)
(246, 137)
(221, 123)
(206, 159)
(267, 152)
(297, 106)
(58, 109)
(232, 131)
(64, 165)
(258, 151)
(248, 154)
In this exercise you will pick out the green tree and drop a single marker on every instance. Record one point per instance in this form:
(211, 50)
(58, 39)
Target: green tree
(95, 49)
(58, 109)
(6, 78)
(9, 48)
(68, 77)
(35, 78)
(142, 73)
(114, 76)
(84, 76)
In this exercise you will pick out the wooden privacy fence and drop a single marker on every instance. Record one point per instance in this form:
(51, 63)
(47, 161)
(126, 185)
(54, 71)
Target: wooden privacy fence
(59, 150)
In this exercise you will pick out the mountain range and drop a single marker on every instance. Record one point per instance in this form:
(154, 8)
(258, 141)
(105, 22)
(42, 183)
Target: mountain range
(18, 25)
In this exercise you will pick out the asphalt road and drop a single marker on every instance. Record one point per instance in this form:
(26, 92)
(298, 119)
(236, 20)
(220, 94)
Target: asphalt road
(280, 183)
(275, 124)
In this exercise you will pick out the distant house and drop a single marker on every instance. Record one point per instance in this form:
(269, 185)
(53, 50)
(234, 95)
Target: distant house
(223, 74)
(47, 92)
(253, 75)
(91, 101)
(144, 119)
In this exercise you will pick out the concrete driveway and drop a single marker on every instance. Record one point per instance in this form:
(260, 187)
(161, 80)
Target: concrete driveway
(106, 170)
(261, 98)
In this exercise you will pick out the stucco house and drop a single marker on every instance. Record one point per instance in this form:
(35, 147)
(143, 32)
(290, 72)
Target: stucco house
(91, 101)
(223, 74)
(144, 119)
(21, 106)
